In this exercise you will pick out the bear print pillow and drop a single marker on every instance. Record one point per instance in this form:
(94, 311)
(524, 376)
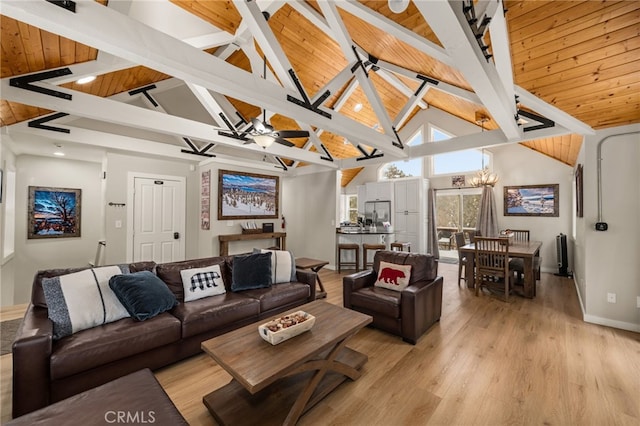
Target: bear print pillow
(393, 276)
(202, 282)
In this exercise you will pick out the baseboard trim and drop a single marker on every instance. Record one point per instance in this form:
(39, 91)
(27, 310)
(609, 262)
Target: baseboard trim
(612, 323)
(593, 319)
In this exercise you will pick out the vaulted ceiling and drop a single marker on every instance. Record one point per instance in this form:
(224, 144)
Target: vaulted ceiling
(572, 67)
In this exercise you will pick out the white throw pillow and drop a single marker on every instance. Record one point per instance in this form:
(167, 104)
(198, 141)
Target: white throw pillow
(83, 300)
(283, 266)
(393, 276)
(202, 282)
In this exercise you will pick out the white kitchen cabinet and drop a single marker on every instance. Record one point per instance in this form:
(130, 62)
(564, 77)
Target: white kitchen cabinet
(362, 197)
(410, 213)
(379, 191)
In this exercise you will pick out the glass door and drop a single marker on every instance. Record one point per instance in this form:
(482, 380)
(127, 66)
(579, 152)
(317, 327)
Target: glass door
(456, 210)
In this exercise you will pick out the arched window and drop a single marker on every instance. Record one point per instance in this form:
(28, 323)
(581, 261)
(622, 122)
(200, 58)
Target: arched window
(403, 168)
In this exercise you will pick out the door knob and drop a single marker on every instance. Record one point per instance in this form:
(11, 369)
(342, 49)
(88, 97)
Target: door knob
(176, 235)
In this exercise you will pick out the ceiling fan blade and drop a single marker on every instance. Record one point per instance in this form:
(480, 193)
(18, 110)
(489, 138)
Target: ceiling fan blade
(284, 142)
(292, 134)
(258, 125)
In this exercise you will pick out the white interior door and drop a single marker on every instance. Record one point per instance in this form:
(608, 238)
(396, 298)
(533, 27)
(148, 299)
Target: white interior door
(158, 220)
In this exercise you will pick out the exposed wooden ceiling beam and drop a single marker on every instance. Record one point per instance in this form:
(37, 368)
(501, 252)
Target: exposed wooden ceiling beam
(122, 143)
(341, 34)
(551, 112)
(398, 31)
(106, 110)
(447, 20)
(104, 29)
(259, 28)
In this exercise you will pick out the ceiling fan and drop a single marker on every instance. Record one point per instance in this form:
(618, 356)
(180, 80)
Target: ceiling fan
(261, 133)
(265, 135)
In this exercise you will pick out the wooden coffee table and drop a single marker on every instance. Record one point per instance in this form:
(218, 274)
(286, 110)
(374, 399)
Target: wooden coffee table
(277, 384)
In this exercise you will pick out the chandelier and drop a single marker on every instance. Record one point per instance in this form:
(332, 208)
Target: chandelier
(484, 177)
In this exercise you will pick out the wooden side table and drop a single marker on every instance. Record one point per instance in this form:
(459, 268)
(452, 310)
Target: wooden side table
(315, 265)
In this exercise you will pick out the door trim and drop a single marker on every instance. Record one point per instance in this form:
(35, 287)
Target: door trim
(131, 177)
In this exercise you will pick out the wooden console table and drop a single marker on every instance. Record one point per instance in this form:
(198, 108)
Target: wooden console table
(224, 239)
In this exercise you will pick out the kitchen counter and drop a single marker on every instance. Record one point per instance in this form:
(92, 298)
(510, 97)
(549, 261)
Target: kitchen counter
(364, 232)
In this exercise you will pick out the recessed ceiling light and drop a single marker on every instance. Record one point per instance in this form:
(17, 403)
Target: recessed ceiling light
(85, 80)
(398, 6)
(357, 107)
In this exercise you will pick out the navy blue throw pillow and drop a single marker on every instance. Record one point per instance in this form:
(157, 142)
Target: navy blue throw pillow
(251, 271)
(143, 294)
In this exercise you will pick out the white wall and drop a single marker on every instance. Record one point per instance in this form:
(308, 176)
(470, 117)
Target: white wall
(7, 263)
(610, 259)
(33, 255)
(309, 205)
(518, 165)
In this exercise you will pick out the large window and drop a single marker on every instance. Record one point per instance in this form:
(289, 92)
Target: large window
(456, 210)
(403, 168)
(468, 160)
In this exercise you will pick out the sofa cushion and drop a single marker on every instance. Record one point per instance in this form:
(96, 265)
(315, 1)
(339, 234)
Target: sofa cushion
(170, 273)
(143, 294)
(279, 295)
(111, 342)
(82, 300)
(375, 299)
(283, 266)
(215, 312)
(393, 276)
(37, 294)
(202, 282)
(251, 271)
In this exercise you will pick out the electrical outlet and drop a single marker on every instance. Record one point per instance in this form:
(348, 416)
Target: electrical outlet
(611, 297)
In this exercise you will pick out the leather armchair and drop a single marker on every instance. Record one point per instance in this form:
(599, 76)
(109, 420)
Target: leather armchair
(408, 313)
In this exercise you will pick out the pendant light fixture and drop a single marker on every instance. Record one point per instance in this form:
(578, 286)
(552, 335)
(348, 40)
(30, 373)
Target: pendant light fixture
(484, 177)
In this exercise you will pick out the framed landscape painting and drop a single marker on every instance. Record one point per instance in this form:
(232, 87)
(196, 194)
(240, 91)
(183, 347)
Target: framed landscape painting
(531, 200)
(247, 195)
(53, 212)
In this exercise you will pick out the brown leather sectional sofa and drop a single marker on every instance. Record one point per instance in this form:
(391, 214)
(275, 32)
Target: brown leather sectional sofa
(46, 371)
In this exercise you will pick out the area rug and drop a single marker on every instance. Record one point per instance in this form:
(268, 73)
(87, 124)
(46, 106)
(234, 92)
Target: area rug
(448, 260)
(8, 331)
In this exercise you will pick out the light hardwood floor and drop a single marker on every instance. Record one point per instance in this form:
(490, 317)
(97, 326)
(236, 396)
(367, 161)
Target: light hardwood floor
(486, 362)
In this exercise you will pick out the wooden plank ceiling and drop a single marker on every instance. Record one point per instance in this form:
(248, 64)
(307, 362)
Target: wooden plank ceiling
(581, 57)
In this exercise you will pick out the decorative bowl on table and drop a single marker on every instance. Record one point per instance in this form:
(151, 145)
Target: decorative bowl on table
(287, 326)
(507, 234)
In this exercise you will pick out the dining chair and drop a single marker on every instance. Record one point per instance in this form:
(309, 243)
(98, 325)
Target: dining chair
(462, 260)
(492, 265)
(472, 234)
(517, 264)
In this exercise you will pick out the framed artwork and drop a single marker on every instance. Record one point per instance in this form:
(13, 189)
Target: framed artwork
(205, 200)
(532, 200)
(579, 192)
(53, 212)
(247, 195)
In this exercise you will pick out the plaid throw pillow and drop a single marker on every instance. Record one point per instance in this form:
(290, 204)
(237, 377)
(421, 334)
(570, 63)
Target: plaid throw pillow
(202, 282)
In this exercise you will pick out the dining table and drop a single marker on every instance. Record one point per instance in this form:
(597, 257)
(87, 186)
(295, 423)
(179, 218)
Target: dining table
(526, 250)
